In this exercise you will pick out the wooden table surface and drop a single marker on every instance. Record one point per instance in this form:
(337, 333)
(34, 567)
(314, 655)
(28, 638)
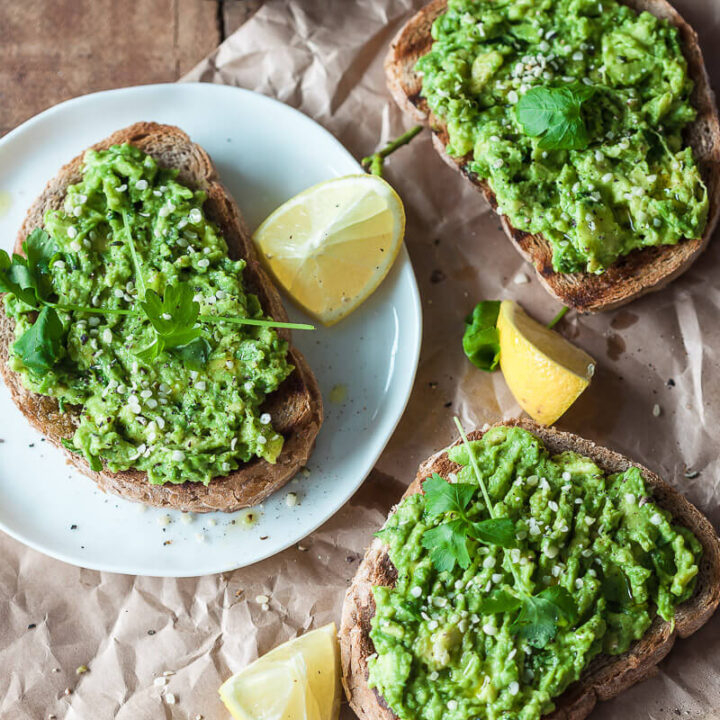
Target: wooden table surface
(52, 50)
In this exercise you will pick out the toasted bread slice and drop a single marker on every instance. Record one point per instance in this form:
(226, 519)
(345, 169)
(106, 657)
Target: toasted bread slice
(296, 407)
(631, 276)
(606, 675)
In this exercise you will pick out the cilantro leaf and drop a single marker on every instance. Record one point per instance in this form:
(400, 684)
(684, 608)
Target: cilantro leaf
(555, 116)
(495, 531)
(541, 615)
(447, 544)
(442, 496)
(481, 341)
(40, 346)
(499, 601)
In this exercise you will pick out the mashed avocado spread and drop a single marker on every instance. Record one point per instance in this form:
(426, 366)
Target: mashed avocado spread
(593, 157)
(445, 648)
(177, 417)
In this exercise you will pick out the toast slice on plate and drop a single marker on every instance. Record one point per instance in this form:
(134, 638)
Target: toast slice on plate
(606, 676)
(631, 276)
(296, 406)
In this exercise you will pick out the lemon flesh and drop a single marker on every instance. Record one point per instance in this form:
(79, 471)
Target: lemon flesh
(544, 372)
(299, 680)
(332, 245)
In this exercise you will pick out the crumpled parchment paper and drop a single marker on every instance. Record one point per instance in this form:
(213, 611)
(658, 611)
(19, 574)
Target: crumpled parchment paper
(325, 58)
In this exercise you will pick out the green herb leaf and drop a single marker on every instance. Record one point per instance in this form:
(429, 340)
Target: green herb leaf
(555, 116)
(174, 316)
(542, 614)
(495, 531)
(40, 346)
(442, 496)
(15, 278)
(151, 352)
(448, 541)
(481, 341)
(195, 354)
(447, 544)
(499, 601)
(40, 250)
(28, 278)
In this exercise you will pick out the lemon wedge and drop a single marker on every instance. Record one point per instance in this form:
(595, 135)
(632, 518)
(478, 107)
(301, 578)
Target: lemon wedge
(299, 680)
(331, 246)
(544, 372)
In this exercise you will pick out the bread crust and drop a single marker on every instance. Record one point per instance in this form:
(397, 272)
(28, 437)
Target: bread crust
(641, 271)
(296, 407)
(606, 676)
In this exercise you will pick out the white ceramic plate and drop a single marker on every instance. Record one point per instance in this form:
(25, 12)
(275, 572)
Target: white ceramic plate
(265, 153)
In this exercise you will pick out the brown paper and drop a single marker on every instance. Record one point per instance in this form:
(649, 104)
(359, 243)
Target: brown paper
(325, 58)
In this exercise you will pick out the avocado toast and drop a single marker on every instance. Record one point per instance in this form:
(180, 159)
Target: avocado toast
(632, 274)
(286, 418)
(454, 659)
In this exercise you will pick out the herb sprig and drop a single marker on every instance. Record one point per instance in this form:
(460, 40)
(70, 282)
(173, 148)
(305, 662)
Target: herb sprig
(448, 542)
(540, 615)
(174, 317)
(555, 116)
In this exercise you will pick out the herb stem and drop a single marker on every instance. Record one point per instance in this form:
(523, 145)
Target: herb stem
(203, 318)
(258, 323)
(136, 260)
(96, 311)
(557, 318)
(374, 163)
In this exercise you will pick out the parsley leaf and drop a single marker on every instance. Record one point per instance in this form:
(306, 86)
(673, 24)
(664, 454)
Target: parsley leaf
(499, 601)
(542, 614)
(481, 341)
(40, 346)
(442, 496)
(555, 116)
(173, 317)
(15, 278)
(447, 544)
(40, 250)
(28, 277)
(495, 531)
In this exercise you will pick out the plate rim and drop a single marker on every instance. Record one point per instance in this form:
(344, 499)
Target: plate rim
(402, 264)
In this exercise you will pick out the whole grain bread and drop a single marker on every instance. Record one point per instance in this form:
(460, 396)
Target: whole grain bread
(606, 676)
(631, 276)
(296, 407)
